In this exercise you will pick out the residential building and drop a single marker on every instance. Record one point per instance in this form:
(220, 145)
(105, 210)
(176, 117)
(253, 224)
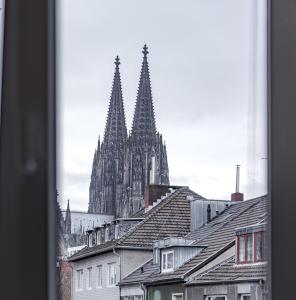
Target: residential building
(127, 243)
(222, 260)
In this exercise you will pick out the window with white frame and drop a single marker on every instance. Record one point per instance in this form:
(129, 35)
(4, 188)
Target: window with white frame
(178, 296)
(89, 278)
(167, 261)
(216, 297)
(245, 297)
(111, 274)
(99, 276)
(79, 281)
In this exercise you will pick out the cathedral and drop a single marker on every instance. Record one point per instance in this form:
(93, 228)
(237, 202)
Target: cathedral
(123, 163)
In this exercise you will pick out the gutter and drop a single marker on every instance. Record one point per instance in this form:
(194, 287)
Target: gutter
(107, 249)
(259, 279)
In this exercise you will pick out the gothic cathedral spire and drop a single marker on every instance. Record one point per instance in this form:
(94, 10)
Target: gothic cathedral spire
(68, 220)
(143, 127)
(115, 130)
(123, 165)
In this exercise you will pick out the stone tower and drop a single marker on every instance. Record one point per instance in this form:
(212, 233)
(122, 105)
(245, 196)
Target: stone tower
(106, 187)
(123, 165)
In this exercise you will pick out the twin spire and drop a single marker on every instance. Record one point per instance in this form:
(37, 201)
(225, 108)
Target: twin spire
(143, 126)
(115, 130)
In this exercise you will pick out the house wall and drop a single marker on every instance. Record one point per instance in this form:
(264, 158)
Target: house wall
(132, 259)
(165, 292)
(95, 293)
(232, 291)
(129, 261)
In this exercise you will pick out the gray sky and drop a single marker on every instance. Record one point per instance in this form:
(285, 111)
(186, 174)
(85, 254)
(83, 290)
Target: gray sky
(207, 67)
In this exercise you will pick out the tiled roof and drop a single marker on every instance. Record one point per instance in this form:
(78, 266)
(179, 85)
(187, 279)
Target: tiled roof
(169, 218)
(228, 271)
(141, 273)
(217, 235)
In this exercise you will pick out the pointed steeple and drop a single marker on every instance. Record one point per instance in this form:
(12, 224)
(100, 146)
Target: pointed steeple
(143, 127)
(68, 219)
(115, 130)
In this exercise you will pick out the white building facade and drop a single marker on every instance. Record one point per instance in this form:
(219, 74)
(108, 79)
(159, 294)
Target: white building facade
(96, 277)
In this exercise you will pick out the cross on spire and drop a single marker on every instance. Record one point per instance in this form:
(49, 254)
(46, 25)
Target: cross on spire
(117, 61)
(145, 50)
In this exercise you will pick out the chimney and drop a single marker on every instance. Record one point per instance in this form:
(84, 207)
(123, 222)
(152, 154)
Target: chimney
(237, 196)
(209, 213)
(154, 192)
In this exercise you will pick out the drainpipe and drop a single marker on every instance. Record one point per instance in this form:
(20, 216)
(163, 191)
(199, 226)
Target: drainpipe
(119, 262)
(144, 291)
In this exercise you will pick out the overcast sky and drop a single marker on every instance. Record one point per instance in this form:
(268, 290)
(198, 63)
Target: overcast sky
(207, 67)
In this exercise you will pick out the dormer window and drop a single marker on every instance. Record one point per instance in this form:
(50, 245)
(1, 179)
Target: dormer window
(250, 245)
(167, 261)
(245, 248)
(259, 238)
(90, 241)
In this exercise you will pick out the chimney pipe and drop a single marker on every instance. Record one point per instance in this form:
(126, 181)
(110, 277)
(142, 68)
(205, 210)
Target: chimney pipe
(237, 196)
(209, 213)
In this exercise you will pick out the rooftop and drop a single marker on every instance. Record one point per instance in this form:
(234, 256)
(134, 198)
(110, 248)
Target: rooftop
(169, 218)
(228, 271)
(217, 236)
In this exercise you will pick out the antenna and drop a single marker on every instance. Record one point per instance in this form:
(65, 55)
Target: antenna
(237, 196)
(237, 179)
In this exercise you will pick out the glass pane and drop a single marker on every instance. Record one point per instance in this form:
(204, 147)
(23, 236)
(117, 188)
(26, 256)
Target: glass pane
(242, 248)
(250, 247)
(170, 262)
(259, 241)
(162, 142)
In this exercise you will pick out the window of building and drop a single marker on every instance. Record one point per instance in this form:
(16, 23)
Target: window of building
(259, 238)
(111, 274)
(216, 298)
(245, 297)
(250, 247)
(89, 278)
(107, 234)
(79, 279)
(136, 297)
(245, 248)
(178, 296)
(167, 261)
(90, 240)
(99, 276)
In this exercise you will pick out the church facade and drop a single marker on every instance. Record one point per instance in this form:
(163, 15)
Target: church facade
(123, 163)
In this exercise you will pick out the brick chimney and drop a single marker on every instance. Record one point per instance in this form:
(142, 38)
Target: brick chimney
(237, 196)
(153, 192)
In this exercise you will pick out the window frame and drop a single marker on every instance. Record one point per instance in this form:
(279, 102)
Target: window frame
(242, 296)
(174, 295)
(79, 279)
(99, 275)
(89, 278)
(263, 255)
(212, 297)
(166, 253)
(109, 284)
(254, 259)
